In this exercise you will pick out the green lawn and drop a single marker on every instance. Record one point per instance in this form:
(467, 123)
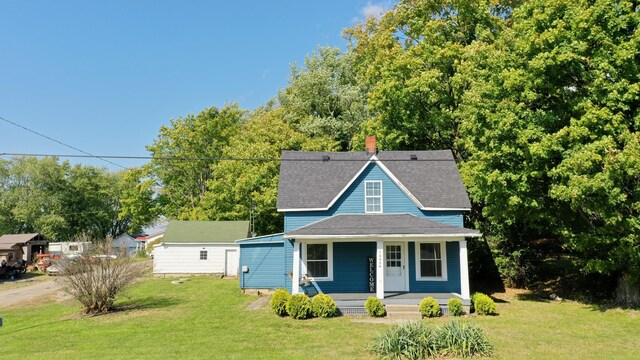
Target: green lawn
(206, 318)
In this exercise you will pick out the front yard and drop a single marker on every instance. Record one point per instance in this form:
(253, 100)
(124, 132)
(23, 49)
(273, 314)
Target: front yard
(206, 318)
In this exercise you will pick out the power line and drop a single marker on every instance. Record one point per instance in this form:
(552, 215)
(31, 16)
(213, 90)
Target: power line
(185, 158)
(60, 142)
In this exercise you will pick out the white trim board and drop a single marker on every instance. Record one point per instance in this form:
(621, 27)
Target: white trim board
(379, 236)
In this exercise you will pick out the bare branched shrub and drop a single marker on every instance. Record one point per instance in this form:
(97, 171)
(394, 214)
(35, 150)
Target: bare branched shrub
(96, 279)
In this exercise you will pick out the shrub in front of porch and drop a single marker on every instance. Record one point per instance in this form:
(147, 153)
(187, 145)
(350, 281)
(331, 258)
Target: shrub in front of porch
(429, 307)
(322, 305)
(279, 301)
(483, 304)
(455, 307)
(299, 306)
(374, 307)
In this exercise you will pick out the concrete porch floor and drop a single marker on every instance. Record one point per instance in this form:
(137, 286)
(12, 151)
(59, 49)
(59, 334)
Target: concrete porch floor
(391, 298)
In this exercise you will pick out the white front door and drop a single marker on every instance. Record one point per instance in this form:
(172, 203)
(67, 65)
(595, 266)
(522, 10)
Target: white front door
(231, 262)
(394, 271)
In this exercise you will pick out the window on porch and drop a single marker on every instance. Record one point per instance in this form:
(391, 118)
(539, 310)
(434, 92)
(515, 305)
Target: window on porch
(373, 196)
(431, 261)
(317, 260)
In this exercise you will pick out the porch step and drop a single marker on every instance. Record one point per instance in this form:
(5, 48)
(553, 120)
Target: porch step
(403, 311)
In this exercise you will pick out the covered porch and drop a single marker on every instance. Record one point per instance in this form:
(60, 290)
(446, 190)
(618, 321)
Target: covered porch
(400, 259)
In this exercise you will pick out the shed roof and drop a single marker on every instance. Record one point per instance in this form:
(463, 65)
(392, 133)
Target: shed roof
(370, 225)
(308, 182)
(19, 238)
(205, 231)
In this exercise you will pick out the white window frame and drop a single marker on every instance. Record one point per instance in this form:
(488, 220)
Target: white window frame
(443, 252)
(372, 196)
(206, 255)
(329, 276)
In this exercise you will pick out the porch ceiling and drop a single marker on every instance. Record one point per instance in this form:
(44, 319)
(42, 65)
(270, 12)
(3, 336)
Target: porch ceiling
(370, 225)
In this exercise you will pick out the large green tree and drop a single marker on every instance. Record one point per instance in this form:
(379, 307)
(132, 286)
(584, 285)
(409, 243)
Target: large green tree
(324, 97)
(183, 158)
(412, 59)
(245, 188)
(552, 132)
(64, 201)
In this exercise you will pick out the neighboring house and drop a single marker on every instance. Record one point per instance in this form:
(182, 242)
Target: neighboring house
(151, 234)
(125, 243)
(199, 247)
(70, 248)
(22, 246)
(365, 222)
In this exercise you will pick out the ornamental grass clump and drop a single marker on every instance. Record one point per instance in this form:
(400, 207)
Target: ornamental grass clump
(429, 307)
(374, 307)
(483, 304)
(279, 301)
(412, 340)
(455, 307)
(322, 305)
(457, 338)
(299, 306)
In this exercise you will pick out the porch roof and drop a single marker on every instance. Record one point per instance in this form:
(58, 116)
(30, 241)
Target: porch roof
(378, 225)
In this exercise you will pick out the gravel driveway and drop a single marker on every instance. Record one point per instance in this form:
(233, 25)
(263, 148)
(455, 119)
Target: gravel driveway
(28, 294)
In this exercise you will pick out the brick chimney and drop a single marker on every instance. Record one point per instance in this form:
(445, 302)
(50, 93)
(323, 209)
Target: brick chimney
(370, 144)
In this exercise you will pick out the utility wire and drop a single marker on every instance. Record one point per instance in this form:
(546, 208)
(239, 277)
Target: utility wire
(183, 158)
(61, 143)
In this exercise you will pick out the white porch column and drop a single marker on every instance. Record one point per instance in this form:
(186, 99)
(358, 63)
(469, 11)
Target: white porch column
(295, 279)
(380, 269)
(464, 271)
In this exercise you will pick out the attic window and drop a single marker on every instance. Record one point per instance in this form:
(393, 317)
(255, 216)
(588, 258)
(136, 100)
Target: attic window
(373, 196)
(413, 157)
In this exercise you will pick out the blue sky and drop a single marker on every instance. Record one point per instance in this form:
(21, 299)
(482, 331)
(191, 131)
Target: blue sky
(103, 76)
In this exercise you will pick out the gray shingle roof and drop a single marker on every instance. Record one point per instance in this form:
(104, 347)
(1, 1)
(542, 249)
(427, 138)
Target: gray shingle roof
(379, 224)
(307, 182)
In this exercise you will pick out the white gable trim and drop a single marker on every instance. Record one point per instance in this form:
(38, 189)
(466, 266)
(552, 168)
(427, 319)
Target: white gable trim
(397, 182)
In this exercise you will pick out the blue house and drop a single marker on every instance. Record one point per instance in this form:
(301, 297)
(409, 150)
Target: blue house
(385, 223)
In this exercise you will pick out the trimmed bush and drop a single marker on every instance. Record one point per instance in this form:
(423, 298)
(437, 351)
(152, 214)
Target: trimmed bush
(455, 307)
(483, 304)
(429, 307)
(299, 306)
(457, 338)
(322, 305)
(412, 340)
(279, 301)
(374, 307)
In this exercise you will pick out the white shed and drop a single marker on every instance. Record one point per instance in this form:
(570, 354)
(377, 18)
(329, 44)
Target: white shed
(200, 247)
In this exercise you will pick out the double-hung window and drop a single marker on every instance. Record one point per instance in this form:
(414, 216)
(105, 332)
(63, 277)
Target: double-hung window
(373, 196)
(431, 258)
(203, 254)
(318, 261)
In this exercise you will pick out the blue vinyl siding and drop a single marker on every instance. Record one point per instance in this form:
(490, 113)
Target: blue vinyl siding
(266, 266)
(394, 201)
(350, 267)
(453, 271)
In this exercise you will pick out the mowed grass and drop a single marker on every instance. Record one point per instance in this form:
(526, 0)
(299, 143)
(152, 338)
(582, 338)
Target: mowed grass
(207, 318)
